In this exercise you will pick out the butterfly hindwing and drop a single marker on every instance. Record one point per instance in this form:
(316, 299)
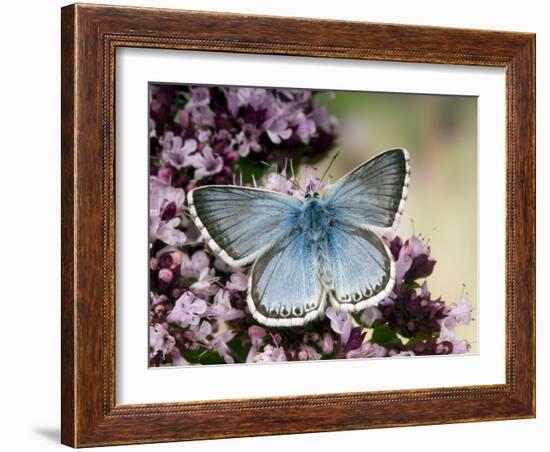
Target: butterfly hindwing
(360, 268)
(374, 193)
(239, 223)
(283, 287)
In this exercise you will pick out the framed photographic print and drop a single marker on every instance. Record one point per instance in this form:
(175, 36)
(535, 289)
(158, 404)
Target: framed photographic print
(281, 225)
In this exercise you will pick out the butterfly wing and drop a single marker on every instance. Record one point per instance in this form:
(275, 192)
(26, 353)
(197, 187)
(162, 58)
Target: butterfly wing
(360, 270)
(283, 288)
(374, 193)
(240, 223)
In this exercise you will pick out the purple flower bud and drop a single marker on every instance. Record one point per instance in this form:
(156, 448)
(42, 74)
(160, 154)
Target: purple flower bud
(169, 211)
(165, 275)
(256, 332)
(231, 156)
(328, 343)
(176, 292)
(395, 246)
(153, 263)
(165, 173)
(166, 261)
(355, 338)
(184, 119)
(314, 337)
(422, 267)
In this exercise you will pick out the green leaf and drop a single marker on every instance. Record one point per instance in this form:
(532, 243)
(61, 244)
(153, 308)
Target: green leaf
(384, 335)
(186, 281)
(203, 356)
(247, 167)
(412, 285)
(237, 349)
(419, 337)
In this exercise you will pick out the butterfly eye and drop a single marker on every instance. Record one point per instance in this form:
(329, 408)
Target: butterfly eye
(316, 195)
(308, 196)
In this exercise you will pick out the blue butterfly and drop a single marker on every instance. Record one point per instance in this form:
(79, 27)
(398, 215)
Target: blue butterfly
(305, 253)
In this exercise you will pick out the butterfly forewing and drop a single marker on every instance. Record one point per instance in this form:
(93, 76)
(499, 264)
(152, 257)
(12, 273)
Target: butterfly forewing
(239, 223)
(374, 193)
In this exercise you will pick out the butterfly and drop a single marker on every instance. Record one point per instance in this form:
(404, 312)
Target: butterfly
(306, 253)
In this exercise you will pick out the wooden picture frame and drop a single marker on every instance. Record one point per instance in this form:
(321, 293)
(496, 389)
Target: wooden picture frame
(90, 36)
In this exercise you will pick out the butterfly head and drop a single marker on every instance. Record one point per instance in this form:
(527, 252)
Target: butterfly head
(310, 194)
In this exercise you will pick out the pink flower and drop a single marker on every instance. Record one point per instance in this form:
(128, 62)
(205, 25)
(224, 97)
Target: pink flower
(187, 310)
(206, 284)
(276, 126)
(165, 275)
(340, 322)
(222, 309)
(206, 163)
(160, 340)
(460, 347)
(248, 140)
(256, 333)
(402, 265)
(279, 182)
(368, 350)
(323, 120)
(176, 152)
(192, 267)
(459, 313)
(158, 299)
(200, 332)
(327, 344)
(310, 180)
(415, 247)
(370, 315)
(238, 282)
(412, 249)
(271, 354)
(166, 231)
(219, 343)
(177, 359)
(308, 353)
(304, 125)
(200, 97)
(165, 210)
(394, 352)
(203, 135)
(162, 194)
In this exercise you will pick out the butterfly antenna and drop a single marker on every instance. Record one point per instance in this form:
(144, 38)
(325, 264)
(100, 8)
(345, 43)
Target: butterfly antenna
(412, 226)
(328, 168)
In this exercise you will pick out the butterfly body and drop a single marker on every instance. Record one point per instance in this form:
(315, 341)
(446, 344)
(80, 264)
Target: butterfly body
(307, 253)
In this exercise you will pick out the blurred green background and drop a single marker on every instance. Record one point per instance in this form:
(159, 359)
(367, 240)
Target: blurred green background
(440, 133)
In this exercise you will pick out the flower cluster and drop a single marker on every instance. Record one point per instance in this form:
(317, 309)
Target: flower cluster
(213, 135)
(197, 309)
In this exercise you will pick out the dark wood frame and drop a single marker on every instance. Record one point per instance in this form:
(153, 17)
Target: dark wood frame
(90, 36)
